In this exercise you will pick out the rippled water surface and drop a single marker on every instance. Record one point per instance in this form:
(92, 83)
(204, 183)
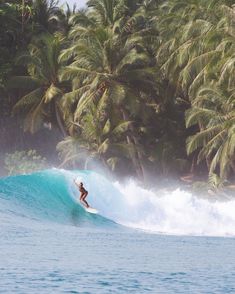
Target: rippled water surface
(61, 259)
(49, 244)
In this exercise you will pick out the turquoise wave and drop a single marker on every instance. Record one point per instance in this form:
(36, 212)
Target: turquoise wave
(52, 196)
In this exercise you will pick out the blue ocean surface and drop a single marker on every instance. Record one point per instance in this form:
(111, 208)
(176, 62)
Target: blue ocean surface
(138, 243)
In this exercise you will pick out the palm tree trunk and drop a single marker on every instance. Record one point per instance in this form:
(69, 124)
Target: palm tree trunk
(136, 156)
(133, 158)
(59, 121)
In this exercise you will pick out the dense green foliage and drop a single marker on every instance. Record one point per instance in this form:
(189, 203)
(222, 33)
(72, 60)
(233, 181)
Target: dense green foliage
(141, 86)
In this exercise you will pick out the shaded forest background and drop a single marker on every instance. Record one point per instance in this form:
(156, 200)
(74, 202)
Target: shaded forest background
(139, 87)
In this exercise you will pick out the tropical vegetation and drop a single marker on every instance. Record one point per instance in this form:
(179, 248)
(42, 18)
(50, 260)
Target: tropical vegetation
(143, 87)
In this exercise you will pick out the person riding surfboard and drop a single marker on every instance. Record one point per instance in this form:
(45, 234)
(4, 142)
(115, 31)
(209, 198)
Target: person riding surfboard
(83, 194)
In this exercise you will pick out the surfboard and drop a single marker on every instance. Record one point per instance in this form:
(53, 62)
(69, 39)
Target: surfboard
(91, 210)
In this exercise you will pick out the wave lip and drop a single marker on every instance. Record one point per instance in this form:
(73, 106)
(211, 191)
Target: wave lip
(51, 196)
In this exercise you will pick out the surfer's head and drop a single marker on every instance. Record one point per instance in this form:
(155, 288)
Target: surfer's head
(78, 181)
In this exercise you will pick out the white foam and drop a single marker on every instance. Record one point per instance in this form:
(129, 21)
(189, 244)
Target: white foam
(170, 212)
(175, 212)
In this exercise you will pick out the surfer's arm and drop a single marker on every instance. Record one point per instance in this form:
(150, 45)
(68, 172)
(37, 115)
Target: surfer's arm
(76, 183)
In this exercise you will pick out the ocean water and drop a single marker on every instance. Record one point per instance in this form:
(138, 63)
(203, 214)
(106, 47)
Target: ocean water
(138, 243)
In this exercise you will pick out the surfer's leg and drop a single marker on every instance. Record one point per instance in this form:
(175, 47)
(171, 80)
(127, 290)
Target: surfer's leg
(83, 199)
(87, 205)
(83, 196)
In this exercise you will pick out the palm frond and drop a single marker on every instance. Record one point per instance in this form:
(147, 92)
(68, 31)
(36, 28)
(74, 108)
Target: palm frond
(29, 100)
(196, 141)
(51, 93)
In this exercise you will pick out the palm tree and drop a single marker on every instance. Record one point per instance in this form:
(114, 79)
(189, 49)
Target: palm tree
(197, 56)
(106, 65)
(113, 57)
(42, 102)
(216, 138)
(65, 19)
(46, 15)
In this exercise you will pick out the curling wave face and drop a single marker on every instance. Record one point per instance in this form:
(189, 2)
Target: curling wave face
(51, 196)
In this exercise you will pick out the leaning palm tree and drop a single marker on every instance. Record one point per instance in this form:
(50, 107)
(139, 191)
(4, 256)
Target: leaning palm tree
(42, 101)
(111, 61)
(112, 68)
(214, 111)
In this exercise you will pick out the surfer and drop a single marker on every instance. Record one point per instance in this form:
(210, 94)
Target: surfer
(83, 194)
